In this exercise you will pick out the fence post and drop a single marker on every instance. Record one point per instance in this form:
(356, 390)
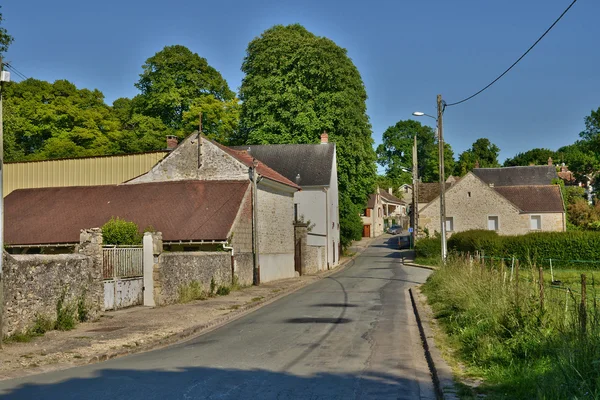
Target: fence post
(551, 272)
(582, 306)
(517, 283)
(541, 289)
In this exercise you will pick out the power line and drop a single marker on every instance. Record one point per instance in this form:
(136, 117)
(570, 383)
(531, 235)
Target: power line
(516, 62)
(16, 71)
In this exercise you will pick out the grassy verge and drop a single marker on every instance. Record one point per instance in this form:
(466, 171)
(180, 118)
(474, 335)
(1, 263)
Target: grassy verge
(498, 328)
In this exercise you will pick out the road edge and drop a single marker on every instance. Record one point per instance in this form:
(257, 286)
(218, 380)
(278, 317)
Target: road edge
(441, 373)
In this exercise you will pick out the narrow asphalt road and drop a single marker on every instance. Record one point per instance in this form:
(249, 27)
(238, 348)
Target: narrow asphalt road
(349, 336)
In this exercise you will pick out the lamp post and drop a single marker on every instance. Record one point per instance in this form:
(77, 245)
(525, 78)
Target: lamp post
(440, 112)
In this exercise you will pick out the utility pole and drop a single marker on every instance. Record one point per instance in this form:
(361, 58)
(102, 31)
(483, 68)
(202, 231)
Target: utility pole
(440, 113)
(415, 191)
(256, 265)
(4, 77)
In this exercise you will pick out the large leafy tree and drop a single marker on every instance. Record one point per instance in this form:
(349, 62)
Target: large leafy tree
(173, 80)
(53, 120)
(5, 38)
(482, 151)
(395, 152)
(536, 156)
(298, 85)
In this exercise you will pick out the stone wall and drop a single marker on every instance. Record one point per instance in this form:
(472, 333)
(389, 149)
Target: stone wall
(176, 270)
(34, 283)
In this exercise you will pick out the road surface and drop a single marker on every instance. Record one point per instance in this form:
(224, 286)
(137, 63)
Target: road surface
(349, 336)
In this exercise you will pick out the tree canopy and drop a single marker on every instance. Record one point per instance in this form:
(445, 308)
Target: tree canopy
(175, 79)
(5, 38)
(536, 156)
(395, 153)
(482, 151)
(298, 85)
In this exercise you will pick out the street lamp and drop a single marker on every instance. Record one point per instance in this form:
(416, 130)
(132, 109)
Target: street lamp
(440, 111)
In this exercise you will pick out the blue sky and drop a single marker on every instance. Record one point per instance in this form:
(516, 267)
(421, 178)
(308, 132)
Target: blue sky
(406, 51)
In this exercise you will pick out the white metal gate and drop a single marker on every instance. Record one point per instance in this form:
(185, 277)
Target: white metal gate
(122, 271)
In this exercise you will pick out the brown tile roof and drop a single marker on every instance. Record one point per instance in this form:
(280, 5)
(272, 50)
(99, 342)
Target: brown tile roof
(429, 191)
(181, 210)
(390, 197)
(263, 169)
(371, 202)
(544, 198)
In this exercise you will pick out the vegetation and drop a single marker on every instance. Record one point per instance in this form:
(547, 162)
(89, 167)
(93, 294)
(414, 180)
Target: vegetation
(117, 231)
(65, 314)
(566, 249)
(192, 291)
(223, 290)
(531, 157)
(5, 38)
(428, 250)
(525, 343)
(482, 151)
(298, 85)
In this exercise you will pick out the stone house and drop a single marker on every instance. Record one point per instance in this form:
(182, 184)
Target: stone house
(314, 168)
(199, 158)
(383, 210)
(511, 201)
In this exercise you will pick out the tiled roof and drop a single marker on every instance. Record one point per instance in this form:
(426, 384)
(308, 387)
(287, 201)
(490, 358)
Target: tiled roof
(517, 176)
(263, 169)
(390, 197)
(371, 202)
(429, 191)
(312, 162)
(181, 210)
(546, 198)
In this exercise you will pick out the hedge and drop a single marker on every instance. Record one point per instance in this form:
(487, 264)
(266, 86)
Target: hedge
(428, 247)
(566, 248)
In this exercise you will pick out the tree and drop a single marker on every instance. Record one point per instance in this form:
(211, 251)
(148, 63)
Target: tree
(220, 119)
(536, 156)
(482, 151)
(5, 38)
(172, 80)
(54, 120)
(117, 231)
(395, 153)
(298, 85)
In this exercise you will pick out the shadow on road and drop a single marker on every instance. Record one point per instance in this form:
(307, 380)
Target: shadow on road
(317, 320)
(335, 305)
(211, 383)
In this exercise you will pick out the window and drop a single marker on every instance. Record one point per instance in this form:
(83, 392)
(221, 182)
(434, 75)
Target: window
(296, 212)
(468, 194)
(493, 223)
(536, 223)
(449, 224)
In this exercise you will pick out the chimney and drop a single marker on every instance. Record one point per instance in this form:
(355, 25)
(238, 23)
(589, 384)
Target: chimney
(477, 164)
(492, 184)
(171, 142)
(390, 191)
(550, 161)
(324, 138)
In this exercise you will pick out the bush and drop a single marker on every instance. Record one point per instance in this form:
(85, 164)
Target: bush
(566, 248)
(223, 290)
(65, 314)
(428, 247)
(192, 291)
(351, 226)
(117, 231)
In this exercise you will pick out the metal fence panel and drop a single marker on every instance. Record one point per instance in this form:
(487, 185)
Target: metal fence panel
(122, 262)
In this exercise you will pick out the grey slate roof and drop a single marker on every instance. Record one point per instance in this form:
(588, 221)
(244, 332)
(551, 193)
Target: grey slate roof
(312, 161)
(517, 176)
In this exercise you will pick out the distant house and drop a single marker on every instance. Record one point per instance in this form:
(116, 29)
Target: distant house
(383, 210)
(314, 168)
(511, 201)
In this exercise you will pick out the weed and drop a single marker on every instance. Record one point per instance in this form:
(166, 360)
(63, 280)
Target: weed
(82, 310)
(190, 292)
(255, 299)
(41, 325)
(78, 356)
(213, 286)
(65, 314)
(234, 307)
(223, 290)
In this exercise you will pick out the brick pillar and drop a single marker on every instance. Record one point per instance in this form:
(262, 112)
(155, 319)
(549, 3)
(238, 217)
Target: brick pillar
(90, 244)
(300, 247)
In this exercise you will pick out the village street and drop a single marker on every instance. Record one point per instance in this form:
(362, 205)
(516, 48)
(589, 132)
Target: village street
(349, 336)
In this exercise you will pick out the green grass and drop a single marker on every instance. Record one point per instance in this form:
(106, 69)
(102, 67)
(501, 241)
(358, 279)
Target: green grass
(500, 333)
(190, 292)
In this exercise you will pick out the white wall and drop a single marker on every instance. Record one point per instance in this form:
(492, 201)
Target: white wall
(333, 228)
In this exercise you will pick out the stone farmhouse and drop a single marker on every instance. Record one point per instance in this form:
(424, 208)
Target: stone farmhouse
(314, 168)
(383, 210)
(511, 201)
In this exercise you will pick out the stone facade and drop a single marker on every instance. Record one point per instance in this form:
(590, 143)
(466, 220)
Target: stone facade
(275, 232)
(177, 270)
(34, 283)
(470, 202)
(195, 159)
